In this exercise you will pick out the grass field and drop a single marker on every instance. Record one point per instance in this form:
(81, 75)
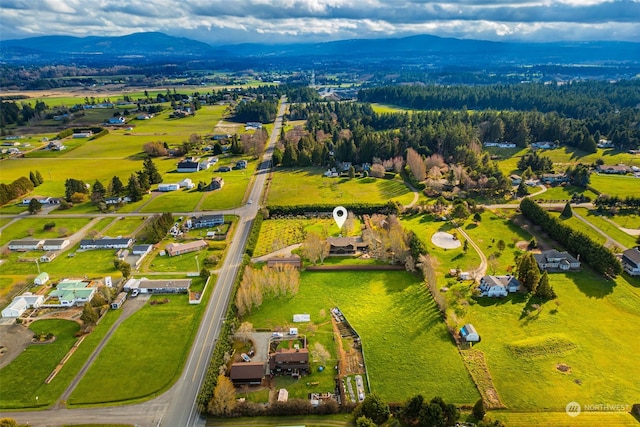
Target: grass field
(90, 263)
(407, 346)
(124, 226)
(611, 229)
(564, 193)
(35, 226)
(154, 340)
(388, 109)
(33, 366)
(182, 263)
(561, 419)
(311, 187)
(580, 226)
(615, 185)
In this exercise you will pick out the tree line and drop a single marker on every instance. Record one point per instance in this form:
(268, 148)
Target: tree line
(596, 255)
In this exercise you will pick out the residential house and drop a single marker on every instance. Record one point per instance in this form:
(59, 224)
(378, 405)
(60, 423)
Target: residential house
(164, 286)
(49, 256)
(293, 361)
(116, 120)
(241, 164)
(106, 243)
(119, 300)
(556, 260)
(604, 143)
(253, 125)
(44, 200)
(247, 373)
(346, 245)
(207, 162)
(186, 183)
(224, 169)
(83, 134)
(174, 249)
(21, 303)
(206, 221)
(141, 249)
(331, 173)
(216, 183)
(41, 279)
(69, 293)
(168, 187)
(144, 116)
(614, 169)
(515, 179)
(468, 333)
(544, 145)
(25, 245)
(631, 261)
(189, 164)
(111, 201)
(220, 137)
(55, 244)
(498, 286)
(56, 145)
(554, 178)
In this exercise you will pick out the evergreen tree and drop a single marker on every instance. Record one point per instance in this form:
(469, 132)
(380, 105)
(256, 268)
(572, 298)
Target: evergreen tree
(134, 191)
(522, 189)
(373, 407)
(97, 192)
(544, 290)
(567, 212)
(72, 186)
(217, 149)
(117, 187)
(39, 177)
(151, 171)
(352, 172)
(478, 410)
(528, 272)
(89, 315)
(33, 179)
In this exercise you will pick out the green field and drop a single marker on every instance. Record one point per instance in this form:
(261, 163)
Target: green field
(580, 226)
(626, 219)
(154, 340)
(32, 367)
(83, 263)
(610, 228)
(34, 228)
(615, 185)
(564, 193)
(407, 347)
(124, 226)
(308, 186)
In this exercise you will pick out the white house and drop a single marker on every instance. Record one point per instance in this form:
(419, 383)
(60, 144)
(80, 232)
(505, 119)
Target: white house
(20, 304)
(71, 292)
(55, 244)
(631, 261)
(25, 245)
(168, 187)
(469, 333)
(186, 183)
(498, 286)
(106, 243)
(556, 260)
(41, 279)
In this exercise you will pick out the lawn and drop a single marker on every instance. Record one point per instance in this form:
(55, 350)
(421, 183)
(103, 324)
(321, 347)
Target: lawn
(610, 228)
(407, 346)
(88, 262)
(276, 234)
(312, 188)
(523, 358)
(32, 367)
(563, 193)
(580, 226)
(124, 226)
(626, 219)
(184, 262)
(34, 227)
(154, 340)
(615, 185)
(561, 419)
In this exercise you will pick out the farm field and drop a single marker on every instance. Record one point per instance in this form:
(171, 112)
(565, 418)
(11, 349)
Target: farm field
(33, 228)
(154, 359)
(312, 188)
(615, 185)
(393, 310)
(276, 234)
(561, 419)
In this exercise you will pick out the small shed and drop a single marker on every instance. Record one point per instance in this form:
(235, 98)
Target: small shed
(41, 279)
(283, 395)
(469, 333)
(119, 300)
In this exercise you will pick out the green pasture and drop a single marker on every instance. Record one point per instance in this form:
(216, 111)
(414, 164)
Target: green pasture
(32, 367)
(173, 201)
(181, 263)
(523, 346)
(101, 225)
(563, 193)
(90, 262)
(276, 234)
(337, 420)
(124, 226)
(626, 219)
(308, 186)
(580, 226)
(34, 228)
(616, 185)
(561, 419)
(611, 229)
(10, 209)
(154, 340)
(389, 109)
(407, 346)
(232, 194)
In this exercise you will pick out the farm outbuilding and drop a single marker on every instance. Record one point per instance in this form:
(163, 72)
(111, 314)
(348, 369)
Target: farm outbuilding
(41, 279)
(469, 333)
(119, 300)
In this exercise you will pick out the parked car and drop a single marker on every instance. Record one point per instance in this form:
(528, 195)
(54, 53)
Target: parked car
(134, 293)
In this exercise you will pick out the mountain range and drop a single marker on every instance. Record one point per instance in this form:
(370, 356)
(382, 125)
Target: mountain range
(154, 47)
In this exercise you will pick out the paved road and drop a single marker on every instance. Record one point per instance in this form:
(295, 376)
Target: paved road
(177, 407)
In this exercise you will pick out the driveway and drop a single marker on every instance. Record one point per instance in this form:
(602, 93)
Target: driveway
(14, 339)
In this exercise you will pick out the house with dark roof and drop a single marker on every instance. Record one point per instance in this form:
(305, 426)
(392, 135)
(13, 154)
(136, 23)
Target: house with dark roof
(553, 260)
(613, 169)
(292, 361)
(164, 286)
(206, 221)
(25, 245)
(554, 178)
(216, 183)
(189, 164)
(293, 260)
(631, 261)
(106, 243)
(346, 245)
(55, 244)
(247, 373)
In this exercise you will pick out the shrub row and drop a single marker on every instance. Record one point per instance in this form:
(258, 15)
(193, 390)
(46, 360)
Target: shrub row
(596, 255)
(252, 240)
(103, 132)
(17, 188)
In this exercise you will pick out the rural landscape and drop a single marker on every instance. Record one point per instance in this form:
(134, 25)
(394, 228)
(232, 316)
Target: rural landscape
(251, 243)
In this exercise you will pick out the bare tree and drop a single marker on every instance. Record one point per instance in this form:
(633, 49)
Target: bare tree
(377, 171)
(224, 397)
(312, 247)
(319, 353)
(244, 331)
(416, 165)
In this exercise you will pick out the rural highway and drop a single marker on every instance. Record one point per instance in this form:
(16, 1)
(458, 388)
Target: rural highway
(177, 406)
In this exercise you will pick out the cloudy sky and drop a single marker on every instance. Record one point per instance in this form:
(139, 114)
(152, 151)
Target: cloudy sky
(272, 21)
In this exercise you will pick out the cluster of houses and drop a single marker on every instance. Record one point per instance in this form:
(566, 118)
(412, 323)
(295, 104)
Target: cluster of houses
(195, 164)
(500, 144)
(619, 169)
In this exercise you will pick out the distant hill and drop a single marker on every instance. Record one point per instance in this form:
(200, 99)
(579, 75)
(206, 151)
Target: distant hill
(162, 48)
